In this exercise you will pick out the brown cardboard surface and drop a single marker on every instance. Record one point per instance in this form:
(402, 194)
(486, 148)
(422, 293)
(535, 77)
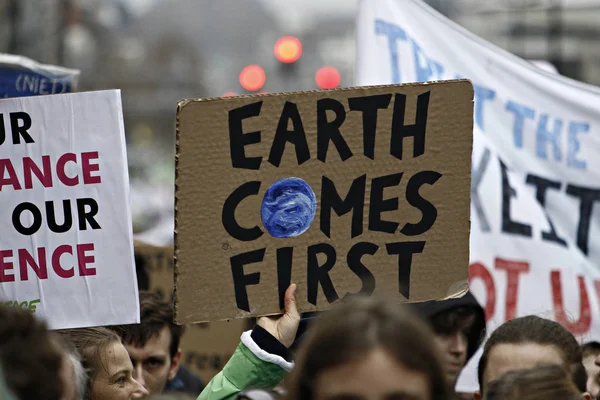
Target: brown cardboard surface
(434, 183)
(205, 347)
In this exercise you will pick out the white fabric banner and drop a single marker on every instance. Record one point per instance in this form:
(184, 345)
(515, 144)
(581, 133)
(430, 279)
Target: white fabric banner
(535, 224)
(66, 241)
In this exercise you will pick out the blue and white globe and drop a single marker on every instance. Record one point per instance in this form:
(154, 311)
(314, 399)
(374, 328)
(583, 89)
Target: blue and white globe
(288, 208)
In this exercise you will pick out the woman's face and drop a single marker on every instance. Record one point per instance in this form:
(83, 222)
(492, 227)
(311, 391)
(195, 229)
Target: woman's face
(114, 379)
(375, 377)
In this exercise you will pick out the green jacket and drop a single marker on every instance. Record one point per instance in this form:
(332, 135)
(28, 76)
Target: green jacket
(249, 367)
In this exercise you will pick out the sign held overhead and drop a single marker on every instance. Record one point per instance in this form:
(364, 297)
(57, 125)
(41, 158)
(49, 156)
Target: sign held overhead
(362, 190)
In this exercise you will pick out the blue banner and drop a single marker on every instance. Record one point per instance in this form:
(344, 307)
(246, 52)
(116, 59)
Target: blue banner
(21, 77)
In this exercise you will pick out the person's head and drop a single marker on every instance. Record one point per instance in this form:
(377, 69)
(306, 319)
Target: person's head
(523, 343)
(153, 344)
(107, 363)
(365, 349)
(590, 352)
(28, 357)
(452, 329)
(539, 383)
(458, 324)
(72, 373)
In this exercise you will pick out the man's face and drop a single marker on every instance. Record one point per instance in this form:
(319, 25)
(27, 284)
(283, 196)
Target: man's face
(454, 348)
(152, 363)
(506, 357)
(593, 373)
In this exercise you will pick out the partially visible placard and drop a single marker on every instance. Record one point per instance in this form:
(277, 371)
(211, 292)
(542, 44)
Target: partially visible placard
(66, 242)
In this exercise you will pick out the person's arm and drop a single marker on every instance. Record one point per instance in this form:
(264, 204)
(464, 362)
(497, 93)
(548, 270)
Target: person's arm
(262, 358)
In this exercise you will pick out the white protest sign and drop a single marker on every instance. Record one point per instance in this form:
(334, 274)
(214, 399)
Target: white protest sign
(535, 228)
(66, 241)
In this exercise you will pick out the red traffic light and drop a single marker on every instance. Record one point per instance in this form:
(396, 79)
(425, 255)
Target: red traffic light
(328, 78)
(253, 78)
(288, 49)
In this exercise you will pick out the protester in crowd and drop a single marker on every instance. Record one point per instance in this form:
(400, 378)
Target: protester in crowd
(262, 359)
(153, 346)
(459, 328)
(31, 362)
(590, 352)
(539, 383)
(367, 348)
(72, 373)
(363, 348)
(523, 343)
(108, 365)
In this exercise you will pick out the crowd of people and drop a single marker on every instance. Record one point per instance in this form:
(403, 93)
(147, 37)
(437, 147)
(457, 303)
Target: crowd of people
(363, 349)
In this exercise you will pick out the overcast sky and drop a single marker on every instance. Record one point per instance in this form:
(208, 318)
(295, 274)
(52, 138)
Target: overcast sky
(297, 13)
(289, 12)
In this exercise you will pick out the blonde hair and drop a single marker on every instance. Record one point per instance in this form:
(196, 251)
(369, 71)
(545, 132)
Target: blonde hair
(90, 343)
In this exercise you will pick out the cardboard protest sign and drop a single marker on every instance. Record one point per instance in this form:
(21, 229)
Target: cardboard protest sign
(66, 242)
(344, 191)
(206, 347)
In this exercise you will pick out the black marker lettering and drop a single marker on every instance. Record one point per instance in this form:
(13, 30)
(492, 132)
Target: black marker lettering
(369, 105)
(284, 272)
(296, 136)
(413, 197)
(379, 205)
(355, 264)
(354, 201)
(238, 139)
(18, 129)
(228, 214)
(240, 280)
(416, 131)
(330, 131)
(319, 274)
(542, 185)
(405, 251)
(587, 199)
(508, 225)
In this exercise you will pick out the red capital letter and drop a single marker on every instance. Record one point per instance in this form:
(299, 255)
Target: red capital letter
(5, 266)
(30, 168)
(478, 270)
(39, 267)
(513, 270)
(83, 260)
(89, 168)
(60, 169)
(583, 324)
(6, 165)
(60, 271)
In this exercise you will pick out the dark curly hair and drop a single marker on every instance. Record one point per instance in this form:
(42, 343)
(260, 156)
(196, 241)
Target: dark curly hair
(155, 314)
(531, 329)
(30, 359)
